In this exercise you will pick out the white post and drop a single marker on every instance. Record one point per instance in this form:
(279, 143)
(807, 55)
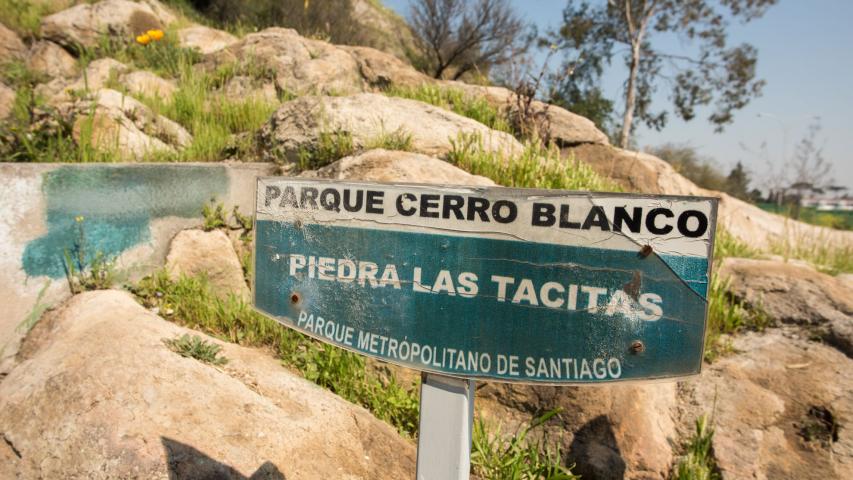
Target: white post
(446, 424)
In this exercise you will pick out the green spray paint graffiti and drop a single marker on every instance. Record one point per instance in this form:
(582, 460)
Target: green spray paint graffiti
(117, 204)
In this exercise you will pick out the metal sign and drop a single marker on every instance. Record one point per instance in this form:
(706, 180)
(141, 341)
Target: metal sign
(491, 283)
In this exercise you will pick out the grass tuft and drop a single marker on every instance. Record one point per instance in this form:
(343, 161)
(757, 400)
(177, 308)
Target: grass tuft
(698, 462)
(516, 457)
(535, 167)
(197, 348)
(455, 100)
(331, 145)
(399, 139)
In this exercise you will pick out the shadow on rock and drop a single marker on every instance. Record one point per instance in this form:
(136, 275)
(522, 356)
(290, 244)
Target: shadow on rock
(595, 452)
(187, 463)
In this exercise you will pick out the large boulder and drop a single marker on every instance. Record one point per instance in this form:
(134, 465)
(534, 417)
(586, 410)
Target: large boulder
(381, 165)
(607, 432)
(51, 60)
(121, 125)
(195, 252)
(299, 124)
(781, 408)
(85, 24)
(795, 294)
(205, 39)
(300, 65)
(11, 46)
(98, 394)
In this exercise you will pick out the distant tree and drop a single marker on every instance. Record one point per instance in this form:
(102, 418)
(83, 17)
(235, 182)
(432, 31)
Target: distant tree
(737, 183)
(718, 73)
(459, 36)
(808, 164)
(686, 160)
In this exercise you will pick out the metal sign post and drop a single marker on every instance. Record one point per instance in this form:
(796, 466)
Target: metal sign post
(445, 428)
(487, 283)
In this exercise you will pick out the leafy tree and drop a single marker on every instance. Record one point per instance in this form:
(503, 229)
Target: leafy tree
(592, 36)
(459, 36)
(698, 169)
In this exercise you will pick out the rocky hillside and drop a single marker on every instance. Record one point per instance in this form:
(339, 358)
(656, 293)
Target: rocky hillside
(118, 80)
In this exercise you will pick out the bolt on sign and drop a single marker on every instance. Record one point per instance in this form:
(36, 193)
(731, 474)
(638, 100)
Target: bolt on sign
(487, 282)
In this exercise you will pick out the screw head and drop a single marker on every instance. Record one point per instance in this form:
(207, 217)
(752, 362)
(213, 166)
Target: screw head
(637, 346)
(295, 298)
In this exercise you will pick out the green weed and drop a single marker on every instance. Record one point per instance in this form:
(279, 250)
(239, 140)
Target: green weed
(727, 315)
(495, 456)
(190, 301)
(86, 272)
(331, 145)
(455, 100)
(535, 167)
(197, 348)
(399, 139)
(698, 462)
(727, 245)
(215, 122)
(214, 217)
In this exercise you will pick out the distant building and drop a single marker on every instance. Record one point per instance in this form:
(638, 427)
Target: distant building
(825, 204)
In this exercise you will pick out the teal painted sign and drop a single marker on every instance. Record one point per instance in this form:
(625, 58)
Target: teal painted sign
(493, 283)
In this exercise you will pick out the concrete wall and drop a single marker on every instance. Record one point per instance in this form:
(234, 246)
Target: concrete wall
(127, 211)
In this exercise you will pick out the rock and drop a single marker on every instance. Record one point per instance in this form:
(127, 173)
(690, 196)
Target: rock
(300, 65)
(124, 126)
(205, 39)
(795, 294)
(98, 74)
(51, 60)
(7, 101)
(98, 389)
(195, 252)
(380, 70)
(608, 431)
(84, 24)
(147, 84)
(298, 124)
(11, 46)
(381, 165)
(774, 405)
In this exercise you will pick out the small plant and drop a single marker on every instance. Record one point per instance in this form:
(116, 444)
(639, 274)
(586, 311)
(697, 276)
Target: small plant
(727, 315)
(495, 456)
(399, 139)
(85, 273)
(698, 462)
(197, 348)
(331, 145)
(214, 216)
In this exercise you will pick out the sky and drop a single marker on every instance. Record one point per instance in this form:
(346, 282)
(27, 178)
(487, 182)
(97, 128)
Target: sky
(805, 54)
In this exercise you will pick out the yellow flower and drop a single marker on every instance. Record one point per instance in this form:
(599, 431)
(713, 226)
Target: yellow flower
(143, 39)
(79, 218)
(155, 34)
